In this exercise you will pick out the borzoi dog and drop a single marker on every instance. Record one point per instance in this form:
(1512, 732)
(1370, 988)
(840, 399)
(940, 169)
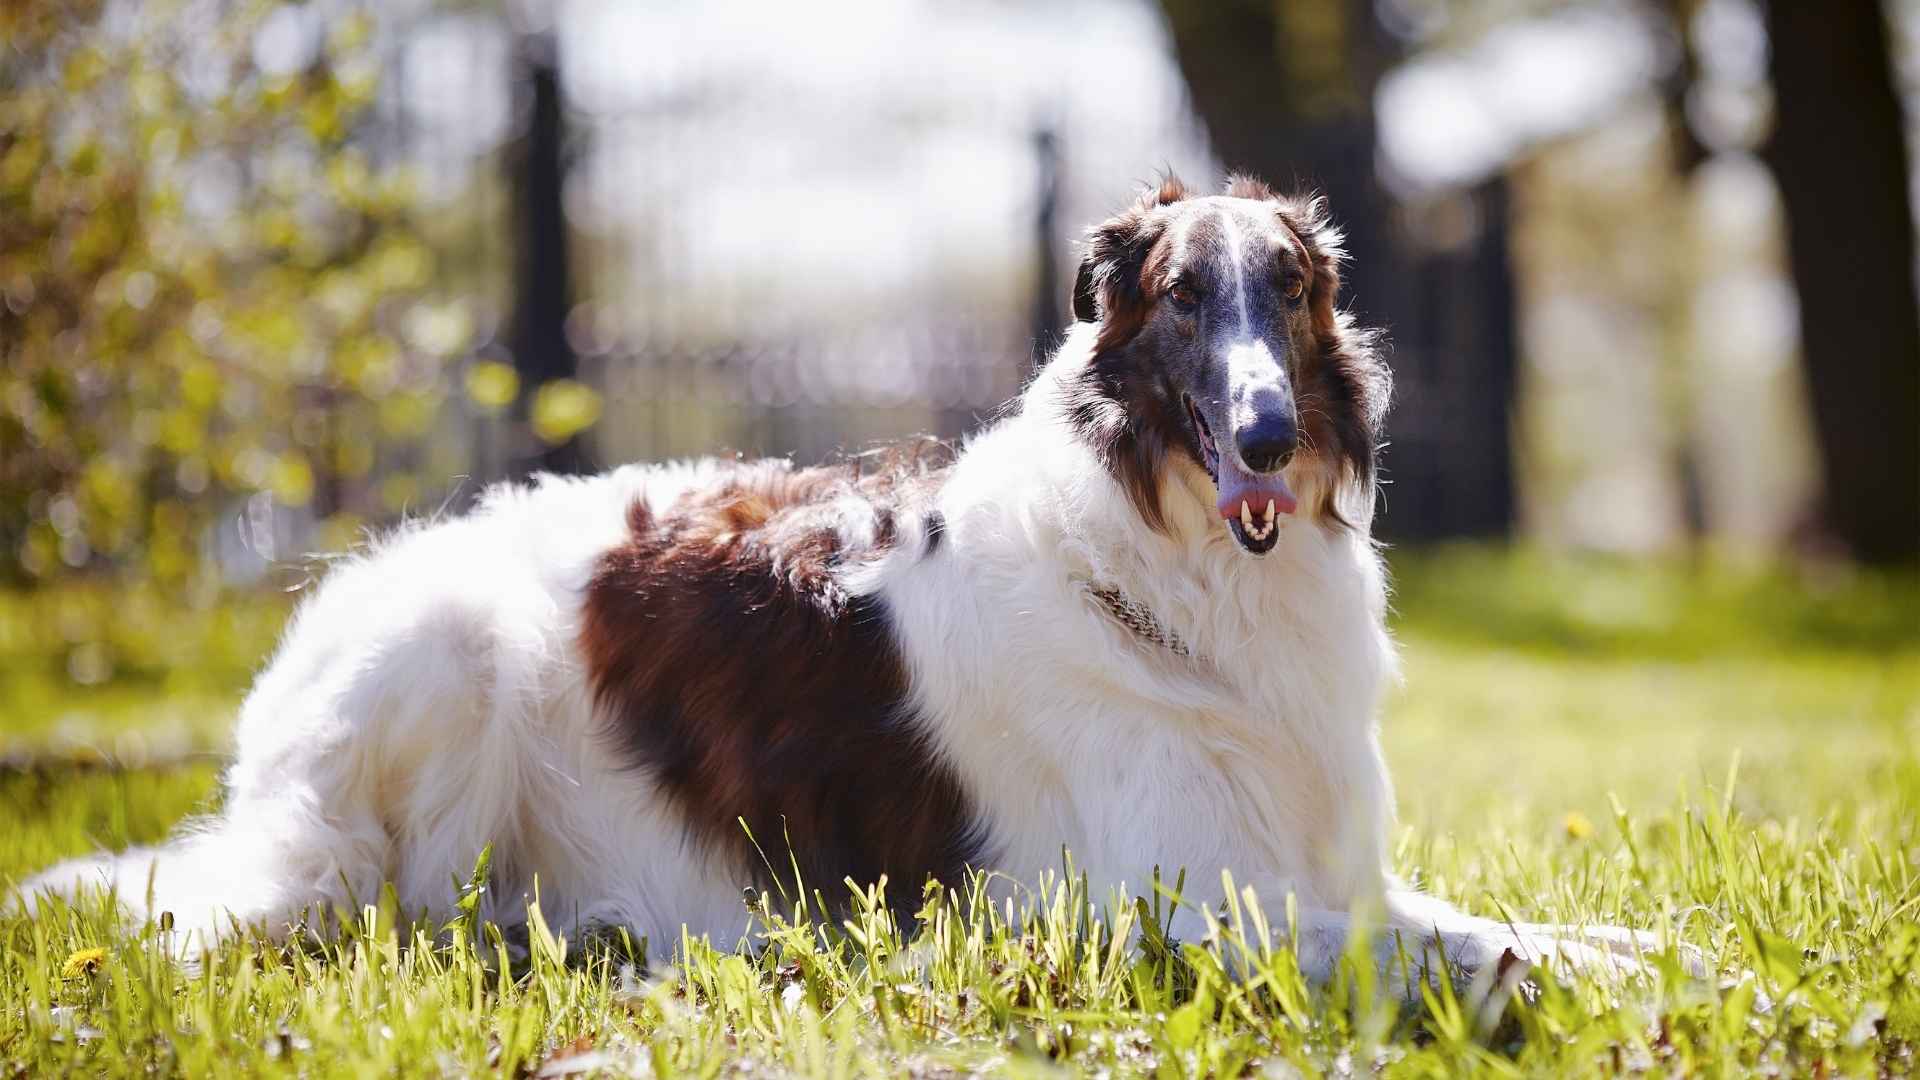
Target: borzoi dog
(1138, 618)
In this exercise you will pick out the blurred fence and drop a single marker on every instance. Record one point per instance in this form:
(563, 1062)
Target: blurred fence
(272, 273)
(804, 260)
(808, 397)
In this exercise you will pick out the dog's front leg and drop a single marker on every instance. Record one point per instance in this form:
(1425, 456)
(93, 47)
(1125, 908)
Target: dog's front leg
(1471, 942)
(1403, 954)
(1411, 938)
(1404, 934)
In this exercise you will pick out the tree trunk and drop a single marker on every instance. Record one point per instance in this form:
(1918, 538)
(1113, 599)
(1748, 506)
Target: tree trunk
(1839, 153)
(1286, 92)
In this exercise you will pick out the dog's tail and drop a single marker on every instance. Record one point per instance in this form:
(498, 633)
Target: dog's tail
(143, 880)
(241, 869)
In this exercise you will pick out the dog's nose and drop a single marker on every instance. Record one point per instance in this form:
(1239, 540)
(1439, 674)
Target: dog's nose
(1267, 444)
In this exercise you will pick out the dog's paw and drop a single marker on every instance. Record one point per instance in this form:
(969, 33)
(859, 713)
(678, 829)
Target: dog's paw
(1607, 954)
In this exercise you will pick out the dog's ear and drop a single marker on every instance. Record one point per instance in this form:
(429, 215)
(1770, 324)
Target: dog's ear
(1110, 287)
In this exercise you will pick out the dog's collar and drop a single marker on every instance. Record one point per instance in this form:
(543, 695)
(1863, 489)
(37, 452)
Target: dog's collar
(1137, 617)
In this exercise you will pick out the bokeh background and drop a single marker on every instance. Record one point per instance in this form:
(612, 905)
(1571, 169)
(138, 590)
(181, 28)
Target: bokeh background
(276, 273)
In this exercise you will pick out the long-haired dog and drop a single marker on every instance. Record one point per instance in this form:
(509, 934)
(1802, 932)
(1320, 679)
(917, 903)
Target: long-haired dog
(1138, 618)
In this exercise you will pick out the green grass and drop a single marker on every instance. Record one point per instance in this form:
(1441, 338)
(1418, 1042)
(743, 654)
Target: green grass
(1728, 754)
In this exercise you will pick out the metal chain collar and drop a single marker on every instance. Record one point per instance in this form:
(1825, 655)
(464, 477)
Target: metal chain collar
(1136, 617)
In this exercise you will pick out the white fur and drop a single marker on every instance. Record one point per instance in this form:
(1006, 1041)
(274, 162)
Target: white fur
(429, 700)
(1236, 259)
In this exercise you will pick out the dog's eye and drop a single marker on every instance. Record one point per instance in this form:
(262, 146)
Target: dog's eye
(1294, 288)
(1183, 295)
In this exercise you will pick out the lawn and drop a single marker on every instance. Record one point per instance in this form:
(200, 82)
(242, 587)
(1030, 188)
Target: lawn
(1726, 754)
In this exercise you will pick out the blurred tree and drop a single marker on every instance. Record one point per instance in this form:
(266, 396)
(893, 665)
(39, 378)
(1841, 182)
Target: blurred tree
(557, 406)
(1675, 314)
(1839, 152)
(1047, 313)
(208, 290)
(1286, 91)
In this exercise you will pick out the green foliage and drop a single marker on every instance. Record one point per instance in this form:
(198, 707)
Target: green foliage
(127, 668)
(210, 288)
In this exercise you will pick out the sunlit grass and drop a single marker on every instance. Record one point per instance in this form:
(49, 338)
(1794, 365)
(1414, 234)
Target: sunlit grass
(1683, 759)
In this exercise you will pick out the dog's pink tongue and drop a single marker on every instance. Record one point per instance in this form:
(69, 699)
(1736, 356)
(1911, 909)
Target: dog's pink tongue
(1238, 485)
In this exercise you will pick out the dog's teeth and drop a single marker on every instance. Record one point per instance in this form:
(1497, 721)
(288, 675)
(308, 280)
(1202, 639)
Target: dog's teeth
(1269, 513)
(1246, 517)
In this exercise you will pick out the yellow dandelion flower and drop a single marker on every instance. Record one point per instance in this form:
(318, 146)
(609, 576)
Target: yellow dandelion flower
(82, 963)
(1578, 826)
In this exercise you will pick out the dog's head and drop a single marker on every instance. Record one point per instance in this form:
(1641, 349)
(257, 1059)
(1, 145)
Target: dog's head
(1219, 346)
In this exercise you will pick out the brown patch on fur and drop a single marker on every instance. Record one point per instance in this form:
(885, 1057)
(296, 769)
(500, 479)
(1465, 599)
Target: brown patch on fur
(1130, 426)
(1132, 430)
(732, 666)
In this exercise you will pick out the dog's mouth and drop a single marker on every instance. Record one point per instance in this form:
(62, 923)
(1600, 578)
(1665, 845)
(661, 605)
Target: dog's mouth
(1250, 504)
(1209, 452)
